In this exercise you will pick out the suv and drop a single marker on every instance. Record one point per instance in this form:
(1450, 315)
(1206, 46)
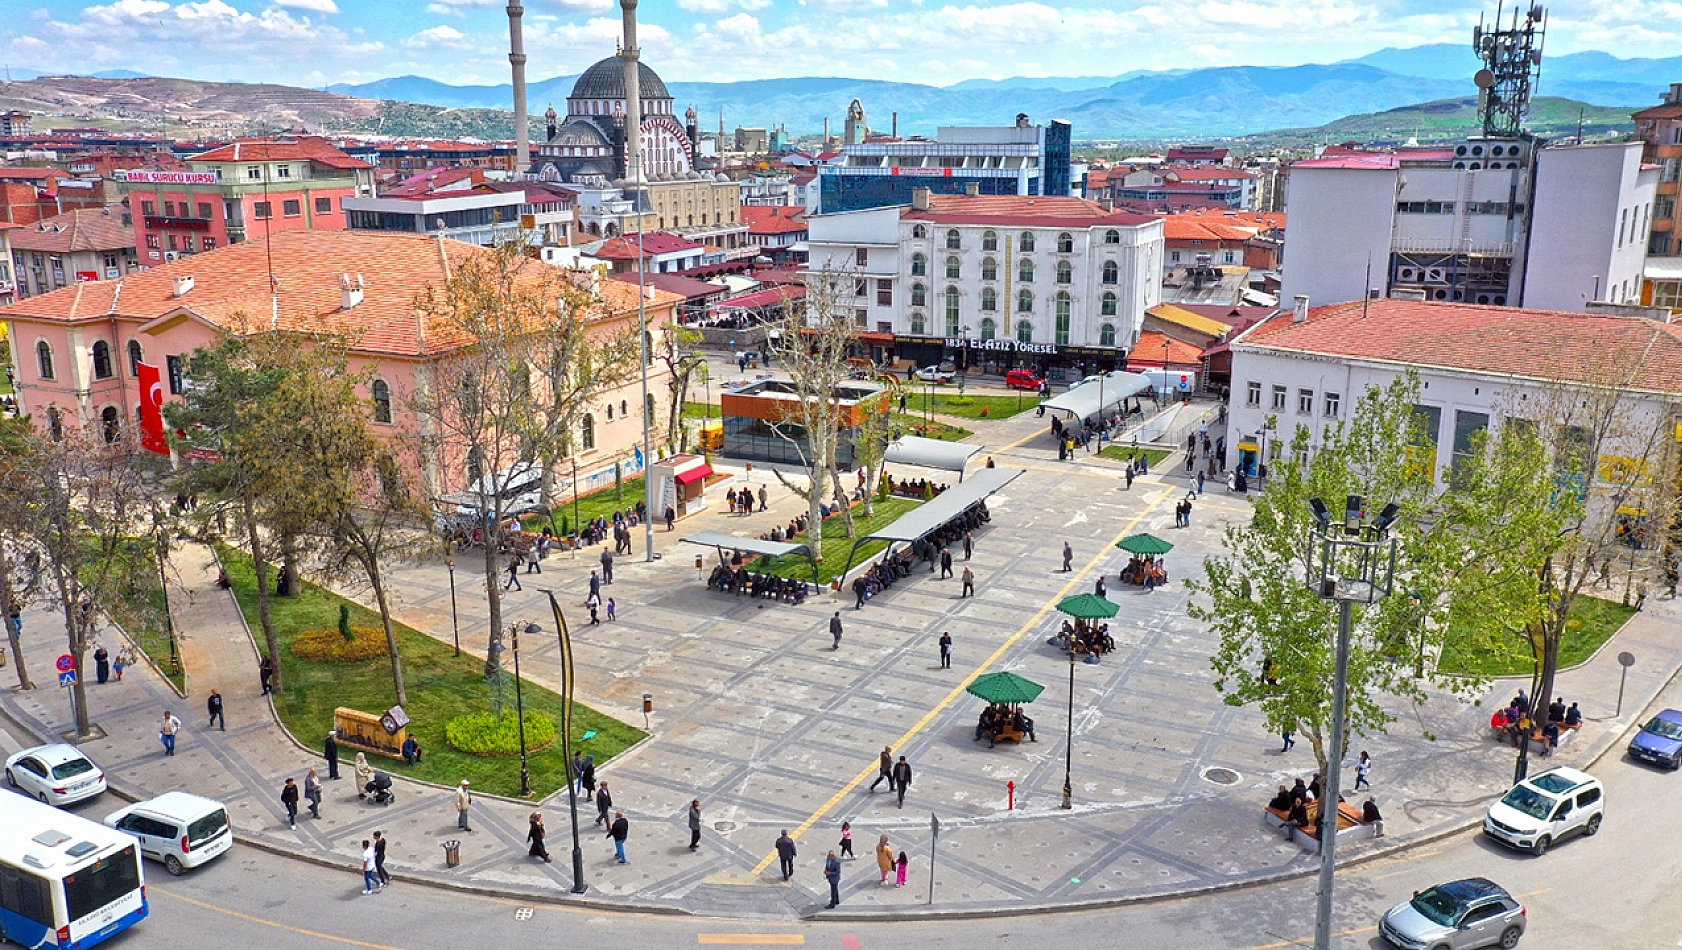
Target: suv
(1546, 807)
(1461, 914)
(181, 830)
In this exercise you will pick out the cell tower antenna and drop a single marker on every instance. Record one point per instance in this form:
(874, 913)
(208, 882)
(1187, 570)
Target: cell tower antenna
(1512, 58)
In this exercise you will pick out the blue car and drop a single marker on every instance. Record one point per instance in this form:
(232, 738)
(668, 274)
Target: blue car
(1660, 740)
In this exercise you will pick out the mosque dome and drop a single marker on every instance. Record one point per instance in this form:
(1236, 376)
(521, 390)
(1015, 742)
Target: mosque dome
(606, 80)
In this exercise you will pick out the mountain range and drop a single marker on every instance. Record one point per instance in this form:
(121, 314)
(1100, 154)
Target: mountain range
(1217, 101)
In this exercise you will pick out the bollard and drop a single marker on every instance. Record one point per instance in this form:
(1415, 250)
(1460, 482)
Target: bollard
(452, 853)
(647, 707)
(1011, 786)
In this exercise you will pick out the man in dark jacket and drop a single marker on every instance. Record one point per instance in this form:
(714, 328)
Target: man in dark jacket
(604, 802)
(902, 778)
(619, 831)
(835, 629)
(832, 873)
(694, 824)
(331, 748)
(885, 769)
(289, 798)
(785, 854)
(213, 705)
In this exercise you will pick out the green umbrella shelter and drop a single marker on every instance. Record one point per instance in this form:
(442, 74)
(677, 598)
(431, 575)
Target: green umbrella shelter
(1144, 543)
(1088, 607)
(1004, 689)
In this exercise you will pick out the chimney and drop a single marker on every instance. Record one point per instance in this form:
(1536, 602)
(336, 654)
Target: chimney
(350, 291)
(895, 125)
(919, 199)
(972, 189)
(183, 284)
(1107, 203)
(1299, 312)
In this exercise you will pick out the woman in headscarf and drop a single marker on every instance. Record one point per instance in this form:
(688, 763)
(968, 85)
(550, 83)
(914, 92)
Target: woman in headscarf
(364, 775)
(884, 858)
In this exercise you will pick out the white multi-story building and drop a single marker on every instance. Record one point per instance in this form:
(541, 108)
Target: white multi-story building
(1047, 282)
(1489, 220)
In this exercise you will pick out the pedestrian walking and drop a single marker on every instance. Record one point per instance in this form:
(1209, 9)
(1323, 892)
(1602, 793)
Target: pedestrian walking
(969, 583)
(619, 831)
(213, 705)
(265, 672)
(102, 663)
(969, 544)
(945, 563)
(595, 583)
(513, 573)
(612, 610)
(835, 629)
(117, 666)
(671, 517)
(289, 801)
(607, 566)
(901, 866)
(464, 801)
(533, 553)
(587, 777)
(860, 591)
(764, 498)
(884, 858)
(885, 769)
(370, 877)
(1363, 772)
(1200, 482)
(832, 874)
(902, 778)
(379, 860)
(167, 730)
(604, 802)
(1068, 558)
(312, 792)
(1129, 474)
(946, 647)
(1185, 519)
(785, 854)
(1101, 587)
(847, 841)
(694, 824)
(595, 604)
(1287, 734)
(535, 834)
(330, 748)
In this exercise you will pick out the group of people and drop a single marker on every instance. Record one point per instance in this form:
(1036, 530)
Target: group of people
(935, 549)
(740, 502)
(738, 580)
(999, 718)
(1293, 802)
(1148, 571)
(1515, 723)
(1085, 638)
(917, 488)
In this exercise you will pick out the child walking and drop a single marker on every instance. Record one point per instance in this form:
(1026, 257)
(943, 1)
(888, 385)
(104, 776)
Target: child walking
(847, 840)
(903, 864)
(612, 610)
(1362, 769)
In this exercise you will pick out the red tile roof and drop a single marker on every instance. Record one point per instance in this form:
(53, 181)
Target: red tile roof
(1204, 173)
(1505, 341)
(774, 219)
(1148, 351)
(762, 298)
(654, 242)
(83, 229)
(1668, 110)
(299, 148)
(685, 287)
(1180, 228)
(1371, 161)
(1023, 211)
(14, 173)
(231, 289)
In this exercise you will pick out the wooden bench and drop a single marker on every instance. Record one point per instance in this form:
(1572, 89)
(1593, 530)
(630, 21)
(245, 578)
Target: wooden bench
(1350, 827)
(1007, 734)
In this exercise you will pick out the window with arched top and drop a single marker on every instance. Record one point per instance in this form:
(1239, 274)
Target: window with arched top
(1111, 272)
(919, 265)
(624, 407)
(989, 269)
(1065, 243)
(44, 360)
(989, 240)
(1064, 307)
(951, 311)
(989, 299)
(1065, 272)
(919, 296)
(1025, 302)
(954, 240)
(587, 432)
(135, 357)
(1024, 332)
(648, 410)
(1025, 241)
(610, 412)
(919, 232)
(1106, 335)
(1108, 305)
(919, 325)
(1112, 236)
(381, 391)
(110, 424)
(988, 328)
(102, 360)
(954, 267)
(1025, 272)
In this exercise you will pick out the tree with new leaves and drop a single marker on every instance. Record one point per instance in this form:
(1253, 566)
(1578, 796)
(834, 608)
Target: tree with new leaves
(683, 366)
(1277, 635)
(21, 445)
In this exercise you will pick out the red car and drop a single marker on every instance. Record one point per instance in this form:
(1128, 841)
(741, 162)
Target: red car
(1023, 379)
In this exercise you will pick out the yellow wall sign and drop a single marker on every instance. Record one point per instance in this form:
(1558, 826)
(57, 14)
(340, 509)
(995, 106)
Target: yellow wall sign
(1618, 470)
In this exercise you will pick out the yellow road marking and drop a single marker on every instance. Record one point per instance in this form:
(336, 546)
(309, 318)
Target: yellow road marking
(958, 690)
(350, 941)
(773, 940)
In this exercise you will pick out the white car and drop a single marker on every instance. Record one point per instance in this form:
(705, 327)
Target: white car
(1084, 380)
(56, 774)
(1546, 807)
(181, 830)
(934, 374)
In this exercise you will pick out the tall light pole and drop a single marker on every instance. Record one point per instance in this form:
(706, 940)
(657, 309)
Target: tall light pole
(514, 631)
(1350, 561)
(1069, 741)
(565, 638)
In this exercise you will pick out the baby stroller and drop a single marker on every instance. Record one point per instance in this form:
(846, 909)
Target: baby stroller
(379, 790)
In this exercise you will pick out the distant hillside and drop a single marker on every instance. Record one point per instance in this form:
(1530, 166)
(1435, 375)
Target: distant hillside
(1444, 120)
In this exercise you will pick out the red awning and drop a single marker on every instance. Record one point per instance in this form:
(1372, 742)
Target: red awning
(690, 476)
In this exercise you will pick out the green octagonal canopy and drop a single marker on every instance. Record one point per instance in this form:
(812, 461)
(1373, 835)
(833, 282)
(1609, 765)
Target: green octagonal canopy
(1145, 543)
(1088, 607)
(1007, 688)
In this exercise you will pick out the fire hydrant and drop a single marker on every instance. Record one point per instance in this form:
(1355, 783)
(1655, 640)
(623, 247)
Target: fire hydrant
(1011, 785)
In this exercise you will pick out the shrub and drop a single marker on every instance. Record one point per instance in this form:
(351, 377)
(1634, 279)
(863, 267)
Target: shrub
(344, 623)
(492, 736)
(327, 645)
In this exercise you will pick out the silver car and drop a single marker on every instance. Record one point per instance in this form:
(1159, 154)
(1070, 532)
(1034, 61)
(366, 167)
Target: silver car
(1456, 916)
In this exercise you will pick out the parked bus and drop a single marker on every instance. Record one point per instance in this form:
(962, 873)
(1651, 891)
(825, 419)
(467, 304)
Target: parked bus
(65, 881)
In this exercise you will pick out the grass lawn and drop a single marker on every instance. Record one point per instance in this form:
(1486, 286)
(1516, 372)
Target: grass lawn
(601, 503)
(1591, 623)
(440, 686)
(836, 544)
(701, 410)
(971, 407)
(913, 424)
(1123, 452)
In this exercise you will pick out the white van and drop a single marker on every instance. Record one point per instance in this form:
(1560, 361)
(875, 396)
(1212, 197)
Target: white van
(1546, 807)
(521, 491)
(181, 830)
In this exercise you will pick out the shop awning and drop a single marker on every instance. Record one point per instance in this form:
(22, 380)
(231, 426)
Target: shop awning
(690, 476)
(1084, 400)
(930, 453)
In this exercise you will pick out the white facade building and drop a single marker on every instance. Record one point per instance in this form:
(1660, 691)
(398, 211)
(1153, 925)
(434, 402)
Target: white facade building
(1490, 220)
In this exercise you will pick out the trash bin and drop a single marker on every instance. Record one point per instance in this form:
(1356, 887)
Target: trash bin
(452, 853)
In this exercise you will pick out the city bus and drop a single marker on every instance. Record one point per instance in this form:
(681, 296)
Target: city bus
(65, 881)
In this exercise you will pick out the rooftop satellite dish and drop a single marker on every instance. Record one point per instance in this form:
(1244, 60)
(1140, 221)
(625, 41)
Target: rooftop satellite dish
(1483, 79)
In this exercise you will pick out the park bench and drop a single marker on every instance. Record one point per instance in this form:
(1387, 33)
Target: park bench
(1350, 827)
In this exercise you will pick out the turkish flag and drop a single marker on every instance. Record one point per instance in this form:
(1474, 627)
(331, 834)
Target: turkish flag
(152, 437)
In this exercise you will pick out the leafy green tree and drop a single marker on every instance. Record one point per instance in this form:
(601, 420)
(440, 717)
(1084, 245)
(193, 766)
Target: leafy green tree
(21, 446)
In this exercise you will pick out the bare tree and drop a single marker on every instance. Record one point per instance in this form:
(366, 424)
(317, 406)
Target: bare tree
(676, 350)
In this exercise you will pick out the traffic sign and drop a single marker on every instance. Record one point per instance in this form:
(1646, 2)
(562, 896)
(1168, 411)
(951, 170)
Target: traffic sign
(67, 678)
(66, 663)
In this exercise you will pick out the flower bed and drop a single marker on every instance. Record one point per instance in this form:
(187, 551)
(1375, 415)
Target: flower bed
(491, 736)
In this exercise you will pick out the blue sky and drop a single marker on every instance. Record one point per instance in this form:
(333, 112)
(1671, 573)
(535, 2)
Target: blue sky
(314, 42)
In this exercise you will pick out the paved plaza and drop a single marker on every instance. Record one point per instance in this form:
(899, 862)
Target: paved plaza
(756, 716)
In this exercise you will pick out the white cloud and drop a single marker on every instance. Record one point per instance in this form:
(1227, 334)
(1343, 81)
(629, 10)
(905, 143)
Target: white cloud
(312, 6)
(447, 37)
(722, 6)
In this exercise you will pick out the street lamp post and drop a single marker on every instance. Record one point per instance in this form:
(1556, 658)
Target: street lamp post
(963, 357)
(520, 703)
(455, 622)
(1350, 561)
(1069, 740)
(565, 638)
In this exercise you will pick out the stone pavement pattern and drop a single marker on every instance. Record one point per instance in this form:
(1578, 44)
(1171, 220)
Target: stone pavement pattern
(757, 717)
